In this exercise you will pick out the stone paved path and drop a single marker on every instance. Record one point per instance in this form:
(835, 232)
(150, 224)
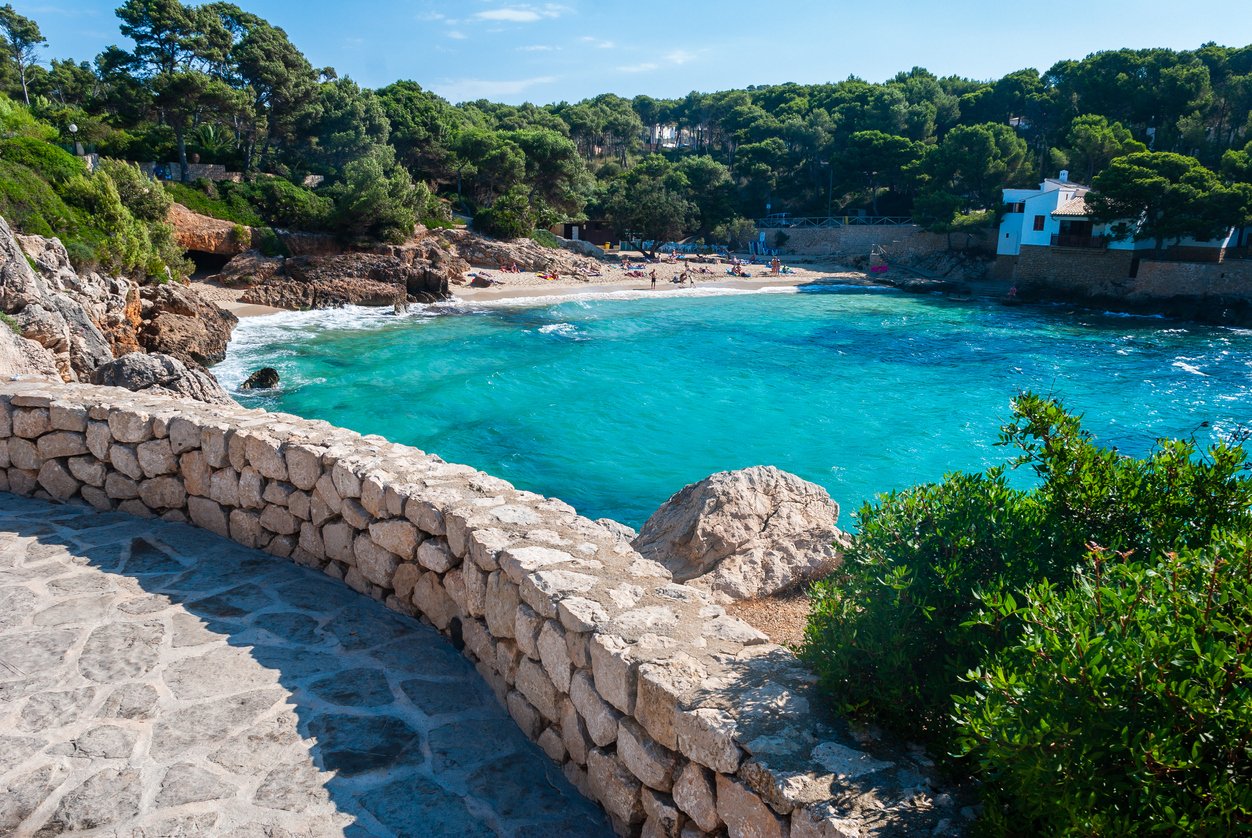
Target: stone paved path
(156, 680)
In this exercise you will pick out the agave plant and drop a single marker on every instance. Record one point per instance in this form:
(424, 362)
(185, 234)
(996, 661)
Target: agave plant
(214, 141)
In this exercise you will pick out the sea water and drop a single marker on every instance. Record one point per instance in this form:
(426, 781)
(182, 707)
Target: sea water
(613, 402)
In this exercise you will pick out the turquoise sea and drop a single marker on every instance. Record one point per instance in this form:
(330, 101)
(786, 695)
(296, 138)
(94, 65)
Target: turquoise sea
(613, 402)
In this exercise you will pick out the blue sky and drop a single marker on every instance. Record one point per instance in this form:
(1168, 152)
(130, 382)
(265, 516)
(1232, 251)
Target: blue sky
(572, 49)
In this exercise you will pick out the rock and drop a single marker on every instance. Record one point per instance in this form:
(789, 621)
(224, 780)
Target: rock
(161, 374)
(746, 533)
(19, 356)
(194, 231)
(249, 268)
(266, 378)
(529, 255)
(177, 321)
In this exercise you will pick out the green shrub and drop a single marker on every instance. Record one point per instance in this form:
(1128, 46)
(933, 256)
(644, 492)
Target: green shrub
(545, 238)
(30, 204)
(510, 217)
(1124, 708)
(894, 630)
(286, 205)
(222, 205)
(377, 200)
(11, 322)
(142, 195)
(16, 120)
(51, 163)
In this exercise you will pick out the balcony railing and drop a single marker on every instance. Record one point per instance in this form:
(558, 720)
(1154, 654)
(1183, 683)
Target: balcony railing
(1085, 242)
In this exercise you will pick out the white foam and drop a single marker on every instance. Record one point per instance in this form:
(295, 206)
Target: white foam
(1185, 367)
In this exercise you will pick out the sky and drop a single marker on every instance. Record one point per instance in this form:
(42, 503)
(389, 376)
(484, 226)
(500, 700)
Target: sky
(570, 50)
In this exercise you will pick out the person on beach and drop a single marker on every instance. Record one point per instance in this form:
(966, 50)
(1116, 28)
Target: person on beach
(654, 280)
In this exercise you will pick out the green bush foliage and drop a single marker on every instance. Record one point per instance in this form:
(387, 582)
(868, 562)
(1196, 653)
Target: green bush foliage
(285, 205)
(29, 203)
(51, 163)
(1124, 707)
(142, 195)
(546, 238)
(216, 201)
(894, 631)
(510, 217)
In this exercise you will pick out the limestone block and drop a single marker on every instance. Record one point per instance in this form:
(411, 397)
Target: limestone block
(499, 688)
(577, 776)
(184, 435)
(277, 491)
(615, 787)
(251, 488)
(266, 456)
(615, 671)
(213, 443)
(130, 426)
(6, 417)
(650, 762)
(746, 814)
(245, 527)
(397, 535)
(600, 717)
(135, 507)
(535, 684)
(98, 498)
(395, 501)
(61, 444)
(696, 794)
(298, 504)
(574, 733)
(23, 481)
(376, 564)
(475, 589)
(661, 688)
(163, 493)
(319, 512)
(354, 514)
(435, 555)
(502, 602)
(508, 658)
(374, 496)
(484, 547)
(88, 470)
(156, 458)
(526, 716)
(404, 579)
(707, 735)
(338, 541)
(347, 483)
(477, 639)
(281, 546)
(426, 515)
(433, 601)
(24, 454)
(311, 541)
(99, 439)
(550, 742)
(354, 580)
(67, 417)
(581, 614)
(554, 653)
(278, 520)
(196, 474)
(209, 515)
(664, 818)
(304, 465)
(31, 422)
(578, 644)
(123, 458)
(806, 823)
(543, 589)
(56, 479)
(526, 630)
(5, 462)
(224, 486)
(120, 487)
(454, 584)
(237, 449)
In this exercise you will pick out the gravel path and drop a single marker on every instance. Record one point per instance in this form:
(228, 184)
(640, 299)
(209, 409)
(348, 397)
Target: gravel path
(156, 680)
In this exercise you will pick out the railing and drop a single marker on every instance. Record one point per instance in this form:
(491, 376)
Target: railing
(837, 221)
(1086, 242)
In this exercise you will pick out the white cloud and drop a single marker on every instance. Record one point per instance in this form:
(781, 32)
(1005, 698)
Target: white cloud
(679, 56)
(522, 13)
(456, 35)
(538, 48)
(597, 43)
(462, 90)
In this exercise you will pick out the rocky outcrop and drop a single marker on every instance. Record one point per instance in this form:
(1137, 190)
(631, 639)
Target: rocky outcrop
(162, 375)
(528, 255)
(19, 356)
(249, 268)
(266, 378)
(746, 533)
(81, 321)
(201, 233)
(178, 321)
(420, 271)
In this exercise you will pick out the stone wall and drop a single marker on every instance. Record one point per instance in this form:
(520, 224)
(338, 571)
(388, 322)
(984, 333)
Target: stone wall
(677, 718)
(900, 242)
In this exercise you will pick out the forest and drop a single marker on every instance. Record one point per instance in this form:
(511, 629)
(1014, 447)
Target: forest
(218, 84)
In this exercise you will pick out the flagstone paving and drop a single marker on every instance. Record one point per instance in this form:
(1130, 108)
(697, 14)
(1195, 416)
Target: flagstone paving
(157, 680)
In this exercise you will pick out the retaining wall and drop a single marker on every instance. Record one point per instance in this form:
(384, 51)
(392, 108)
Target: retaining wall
(677, 718)
(902, 241)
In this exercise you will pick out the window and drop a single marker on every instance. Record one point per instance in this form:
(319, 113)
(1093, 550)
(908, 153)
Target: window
(1039, 219)
(1018, 207)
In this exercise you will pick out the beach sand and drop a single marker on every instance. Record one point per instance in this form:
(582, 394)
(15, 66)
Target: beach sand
(613, 278)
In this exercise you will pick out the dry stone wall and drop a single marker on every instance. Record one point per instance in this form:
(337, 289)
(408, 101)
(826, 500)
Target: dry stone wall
(679, 719)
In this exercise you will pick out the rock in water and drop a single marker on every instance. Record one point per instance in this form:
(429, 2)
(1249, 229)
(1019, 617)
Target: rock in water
(165, 374)
(266, 378)
(746, 533)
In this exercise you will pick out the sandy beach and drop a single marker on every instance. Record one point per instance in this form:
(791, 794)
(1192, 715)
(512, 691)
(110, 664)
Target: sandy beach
(612, 278)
